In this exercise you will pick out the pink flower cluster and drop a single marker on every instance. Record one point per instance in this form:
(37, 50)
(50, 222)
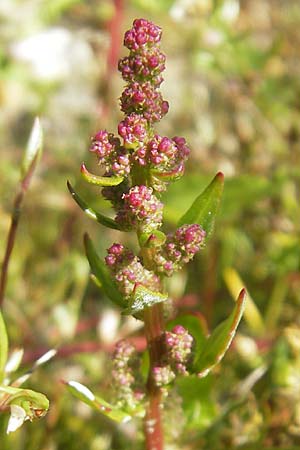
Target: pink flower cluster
(180, 247)
(142, 71)
(179, 347)
(163, 375)
(144, 99)
(147, 65)
(139, 148)
(127, 270)
(178, 344)
(134, 130)
(122, 375)
(110, 153)
(143, 33)
(166, 154)
(141, 210)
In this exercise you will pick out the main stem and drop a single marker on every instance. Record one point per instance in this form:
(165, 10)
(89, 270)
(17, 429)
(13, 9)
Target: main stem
(154, 328)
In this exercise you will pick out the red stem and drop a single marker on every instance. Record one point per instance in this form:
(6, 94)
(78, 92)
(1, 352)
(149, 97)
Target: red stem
(24, 184)
(154, 327)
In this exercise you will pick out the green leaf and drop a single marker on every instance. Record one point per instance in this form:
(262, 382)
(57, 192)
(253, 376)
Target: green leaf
(155, 238)
(204, 209)
(252, 314)
(84, 394)
(196, 327)
(33, 149)
(99, 181)
(199, 407)
(143, 298)
(219, 341)
(3, 347)
(102, 274)
(34, 403)
(106, 221)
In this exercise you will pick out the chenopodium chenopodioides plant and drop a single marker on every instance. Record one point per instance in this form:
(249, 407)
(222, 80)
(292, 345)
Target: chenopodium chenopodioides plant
(137, 167)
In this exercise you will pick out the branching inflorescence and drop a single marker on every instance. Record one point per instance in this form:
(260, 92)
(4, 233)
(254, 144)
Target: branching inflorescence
(137, 167)
(147, 162)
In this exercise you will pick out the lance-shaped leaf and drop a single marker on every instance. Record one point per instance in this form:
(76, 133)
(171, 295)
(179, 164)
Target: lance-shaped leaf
(155, 238)
(3, 348)
(219, 341)
(204, 209)
(142, 298)
(252, 314)
(84, 394)
(104, 220)
(33, 149)
(99, 181)
(102, 274)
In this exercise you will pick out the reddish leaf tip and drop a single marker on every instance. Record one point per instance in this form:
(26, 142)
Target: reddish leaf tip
(242, 294)
(83, 168)
(220, 176)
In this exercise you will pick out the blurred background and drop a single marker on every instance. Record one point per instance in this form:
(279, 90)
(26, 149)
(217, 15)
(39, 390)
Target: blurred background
(233, 84)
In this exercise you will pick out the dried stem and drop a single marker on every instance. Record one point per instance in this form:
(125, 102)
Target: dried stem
(15, 217)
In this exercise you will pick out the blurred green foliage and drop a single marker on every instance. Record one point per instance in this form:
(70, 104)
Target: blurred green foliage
(233, 83)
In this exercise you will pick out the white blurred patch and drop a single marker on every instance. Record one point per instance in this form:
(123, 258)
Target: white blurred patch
(17, 418)
(14, 360)
(178, 10)
(213, 37)
(46, 357)
(108, 325)
(54, 54)
(230, 10)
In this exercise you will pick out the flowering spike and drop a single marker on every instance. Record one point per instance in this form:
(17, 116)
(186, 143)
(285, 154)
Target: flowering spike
(137, 167)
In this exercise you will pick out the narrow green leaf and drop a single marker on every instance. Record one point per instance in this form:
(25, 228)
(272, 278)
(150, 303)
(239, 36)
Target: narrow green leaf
(99, 181)
(155, 238)
(84, 394)
(219, 341)
(33, 149)
(143, 298)
(3, 347)
(204, 209)
(106, 221)
(101, 272)
(252, 314)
